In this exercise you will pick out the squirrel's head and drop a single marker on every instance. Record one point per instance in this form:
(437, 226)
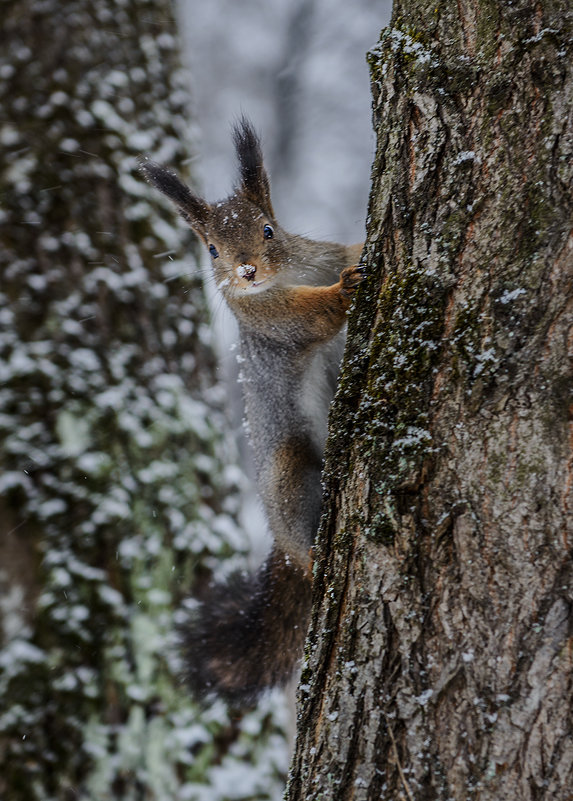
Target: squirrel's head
(246, 245)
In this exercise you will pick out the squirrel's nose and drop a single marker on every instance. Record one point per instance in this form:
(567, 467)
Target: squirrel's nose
(246, 271)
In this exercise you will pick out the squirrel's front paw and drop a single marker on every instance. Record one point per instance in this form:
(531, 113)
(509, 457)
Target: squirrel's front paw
(350, 277)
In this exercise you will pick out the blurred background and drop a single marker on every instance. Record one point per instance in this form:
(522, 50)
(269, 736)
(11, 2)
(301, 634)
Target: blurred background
(298, 69)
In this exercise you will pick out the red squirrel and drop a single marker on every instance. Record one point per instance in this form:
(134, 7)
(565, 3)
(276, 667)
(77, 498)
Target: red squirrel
(290, 296)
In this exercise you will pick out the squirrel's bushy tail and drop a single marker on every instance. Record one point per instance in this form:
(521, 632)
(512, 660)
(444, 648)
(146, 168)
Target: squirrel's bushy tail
(248, 634)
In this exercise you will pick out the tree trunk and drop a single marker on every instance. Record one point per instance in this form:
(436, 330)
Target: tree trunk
(113, 487)
(439, 662)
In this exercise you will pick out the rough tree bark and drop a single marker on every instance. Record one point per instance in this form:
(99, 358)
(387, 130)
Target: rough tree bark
(114, 490)
(440, 655)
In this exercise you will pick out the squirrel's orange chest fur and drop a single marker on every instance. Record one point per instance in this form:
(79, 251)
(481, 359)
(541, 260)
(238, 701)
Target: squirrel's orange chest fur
(290, 296)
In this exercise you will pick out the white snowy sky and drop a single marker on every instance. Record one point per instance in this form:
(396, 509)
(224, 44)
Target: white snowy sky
(298, 69)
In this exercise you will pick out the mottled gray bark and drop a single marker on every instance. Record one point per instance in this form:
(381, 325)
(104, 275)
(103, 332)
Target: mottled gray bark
(113, 487)
(440, 654)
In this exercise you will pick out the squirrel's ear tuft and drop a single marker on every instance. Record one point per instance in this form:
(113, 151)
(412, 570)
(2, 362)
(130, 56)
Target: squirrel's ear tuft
(193, 209)
(254, 179)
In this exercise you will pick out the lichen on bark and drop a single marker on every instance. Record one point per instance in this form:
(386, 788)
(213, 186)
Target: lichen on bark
(440, 642)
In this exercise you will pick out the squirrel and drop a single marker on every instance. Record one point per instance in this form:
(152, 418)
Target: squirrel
(290, 296)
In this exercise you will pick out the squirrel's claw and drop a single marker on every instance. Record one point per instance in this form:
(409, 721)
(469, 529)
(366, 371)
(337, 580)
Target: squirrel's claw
(350, 277)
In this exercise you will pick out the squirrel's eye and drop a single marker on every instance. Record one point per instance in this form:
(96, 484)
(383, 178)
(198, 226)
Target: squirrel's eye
(268, 232)
(213, 251)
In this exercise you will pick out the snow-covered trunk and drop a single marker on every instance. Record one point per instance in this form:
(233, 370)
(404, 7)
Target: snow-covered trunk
(113, 485)
(440, 657)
